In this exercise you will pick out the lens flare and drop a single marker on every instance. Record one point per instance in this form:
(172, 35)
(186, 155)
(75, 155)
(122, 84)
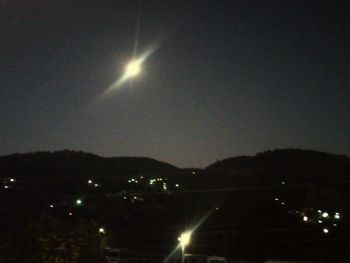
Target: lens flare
(132, 69)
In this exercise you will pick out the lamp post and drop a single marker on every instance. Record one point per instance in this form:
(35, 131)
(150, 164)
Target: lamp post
(184, 239)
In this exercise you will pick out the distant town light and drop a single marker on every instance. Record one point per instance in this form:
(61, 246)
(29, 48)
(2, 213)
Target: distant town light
(193, 172)
(51, 206)
(282, 203)
(283, 182)
(319, 211)
(12, 180)
(78, 202)
(335, 225)
(337, 215)
(6, 186)
(70, 213)
(325, 230)
(319, 221)
(177, 185)
(90, 182)
(96, 185)
(217, 208)
(305, 218)
(325, 214)
(102, 230)
(276, 199)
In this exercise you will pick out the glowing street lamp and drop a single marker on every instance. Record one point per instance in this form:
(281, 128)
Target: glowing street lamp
(184, 239)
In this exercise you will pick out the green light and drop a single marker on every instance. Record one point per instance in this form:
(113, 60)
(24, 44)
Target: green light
(78, 202)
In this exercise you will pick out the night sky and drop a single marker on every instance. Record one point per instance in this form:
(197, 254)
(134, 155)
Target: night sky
(227, 78)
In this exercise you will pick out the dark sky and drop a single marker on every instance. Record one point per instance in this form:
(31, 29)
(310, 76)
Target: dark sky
(228, 77)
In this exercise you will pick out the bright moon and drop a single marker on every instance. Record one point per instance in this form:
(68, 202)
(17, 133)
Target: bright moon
(133, 68)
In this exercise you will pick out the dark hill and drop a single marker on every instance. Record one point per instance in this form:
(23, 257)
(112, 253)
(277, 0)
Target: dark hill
(304, 161)
(78, 163)
(233, 163)
(261, 206)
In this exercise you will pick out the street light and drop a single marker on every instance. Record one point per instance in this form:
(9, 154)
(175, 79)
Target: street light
(184, 239)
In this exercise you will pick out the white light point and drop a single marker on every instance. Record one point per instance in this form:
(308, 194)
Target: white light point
(325, 214)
